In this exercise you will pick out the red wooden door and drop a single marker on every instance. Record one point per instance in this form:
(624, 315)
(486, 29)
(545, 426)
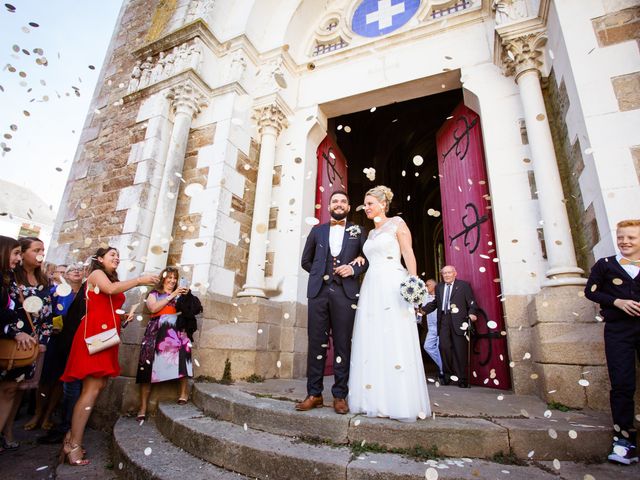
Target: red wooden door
(332, 176)
(469, 239)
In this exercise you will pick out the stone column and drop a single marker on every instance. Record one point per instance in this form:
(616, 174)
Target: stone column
(186, 102)
(523, 60)
(271, 120)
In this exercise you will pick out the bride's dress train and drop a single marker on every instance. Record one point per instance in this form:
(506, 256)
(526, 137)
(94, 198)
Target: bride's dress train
(386, 373)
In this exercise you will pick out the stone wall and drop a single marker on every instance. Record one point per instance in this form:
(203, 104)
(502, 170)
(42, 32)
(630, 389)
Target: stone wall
(584, 228)
(89, 216)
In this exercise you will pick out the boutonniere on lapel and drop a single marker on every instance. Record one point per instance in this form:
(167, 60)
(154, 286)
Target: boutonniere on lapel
(354, 231)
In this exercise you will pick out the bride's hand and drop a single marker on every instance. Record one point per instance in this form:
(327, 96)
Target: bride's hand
(357, 261)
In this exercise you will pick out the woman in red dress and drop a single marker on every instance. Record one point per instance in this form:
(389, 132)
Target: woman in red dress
(105, 295)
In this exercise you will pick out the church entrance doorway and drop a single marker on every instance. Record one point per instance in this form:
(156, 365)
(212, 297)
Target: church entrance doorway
(406, 146)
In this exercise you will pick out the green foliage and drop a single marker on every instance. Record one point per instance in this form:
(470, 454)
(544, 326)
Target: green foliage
(255, 378)
(416, 452)
(559, 406)
(508, 458)
(226, 375)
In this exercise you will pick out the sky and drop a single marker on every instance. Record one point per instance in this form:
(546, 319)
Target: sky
(73, 36)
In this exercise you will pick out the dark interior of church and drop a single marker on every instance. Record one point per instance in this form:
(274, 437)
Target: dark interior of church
(388, 139)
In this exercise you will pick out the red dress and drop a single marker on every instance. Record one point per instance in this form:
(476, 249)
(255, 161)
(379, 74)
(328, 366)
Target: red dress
(100, 318)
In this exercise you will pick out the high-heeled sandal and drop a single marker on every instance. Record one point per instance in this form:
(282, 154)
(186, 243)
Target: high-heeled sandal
(74, 455)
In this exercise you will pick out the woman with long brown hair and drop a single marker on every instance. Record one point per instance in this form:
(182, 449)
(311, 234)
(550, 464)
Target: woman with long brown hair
(10, 327)
(105, 295)
(32, 297)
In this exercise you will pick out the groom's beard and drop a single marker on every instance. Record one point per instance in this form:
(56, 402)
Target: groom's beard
(338, 216)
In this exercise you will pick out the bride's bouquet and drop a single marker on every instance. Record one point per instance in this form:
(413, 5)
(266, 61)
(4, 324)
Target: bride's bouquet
(413, 290)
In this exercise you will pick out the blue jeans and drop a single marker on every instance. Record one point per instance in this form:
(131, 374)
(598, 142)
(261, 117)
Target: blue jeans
(432, 342)
(71, 393)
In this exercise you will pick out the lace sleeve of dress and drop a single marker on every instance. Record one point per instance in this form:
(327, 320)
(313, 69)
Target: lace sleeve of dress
(395, 223)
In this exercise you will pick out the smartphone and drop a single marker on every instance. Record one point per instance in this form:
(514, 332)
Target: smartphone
(184, 283)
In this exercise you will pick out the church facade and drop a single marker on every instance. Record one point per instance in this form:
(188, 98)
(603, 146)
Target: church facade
(219, 127)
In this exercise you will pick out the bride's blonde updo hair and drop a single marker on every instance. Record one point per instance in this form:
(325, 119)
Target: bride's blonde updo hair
(382, 194)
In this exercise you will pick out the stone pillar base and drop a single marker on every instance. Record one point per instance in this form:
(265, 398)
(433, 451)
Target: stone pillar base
(568, 349)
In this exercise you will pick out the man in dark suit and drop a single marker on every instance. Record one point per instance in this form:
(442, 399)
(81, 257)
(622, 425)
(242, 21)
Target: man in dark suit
(614, 283)
(332, 292)
(455, 305)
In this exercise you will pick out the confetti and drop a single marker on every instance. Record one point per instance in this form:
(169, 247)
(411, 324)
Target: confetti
(492, 324)
(32, 304)
(431, 474)
(147, 451)
(311, 221)
(418, 160)
(245, 427)
(552, 433)
(278, 364)
(617, 281)
(347, 128)
(573, 434)
(583, 382)
(556, 464)
(193, 189)
(372, 109)
(63, 289)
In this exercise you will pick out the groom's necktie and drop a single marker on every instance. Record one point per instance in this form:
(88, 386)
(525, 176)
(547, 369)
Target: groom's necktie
(447, 294)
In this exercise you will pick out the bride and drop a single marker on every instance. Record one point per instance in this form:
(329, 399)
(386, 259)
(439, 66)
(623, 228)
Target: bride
(386, 372)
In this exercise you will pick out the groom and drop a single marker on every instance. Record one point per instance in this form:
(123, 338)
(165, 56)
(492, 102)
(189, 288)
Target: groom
(332, 292)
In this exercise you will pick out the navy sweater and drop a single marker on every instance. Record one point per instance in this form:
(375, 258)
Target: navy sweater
(607, 282)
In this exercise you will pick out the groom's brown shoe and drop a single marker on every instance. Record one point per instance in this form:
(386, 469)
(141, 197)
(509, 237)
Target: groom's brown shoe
(309, 403)
(340, 406)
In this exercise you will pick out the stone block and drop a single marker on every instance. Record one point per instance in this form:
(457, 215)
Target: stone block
(521, 380)
(519, 342)
(452, 436)
(551, 440)
(287, 339)
(627, 89)
(618, 26)
(566, 343)
(559, 383)
(515, 310)
(561, 304)
(598, 398)
(128, 358)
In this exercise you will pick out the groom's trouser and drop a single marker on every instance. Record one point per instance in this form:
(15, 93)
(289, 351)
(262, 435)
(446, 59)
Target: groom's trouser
(453, 349)
(331, 310)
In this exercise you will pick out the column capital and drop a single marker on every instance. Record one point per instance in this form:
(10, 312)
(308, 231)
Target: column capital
(522, 53)
(187, 98)
(270, 116)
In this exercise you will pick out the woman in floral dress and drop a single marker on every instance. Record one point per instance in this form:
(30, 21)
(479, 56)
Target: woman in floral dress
(31, 281)
(165, 353)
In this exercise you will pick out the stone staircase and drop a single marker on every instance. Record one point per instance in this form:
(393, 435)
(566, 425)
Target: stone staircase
(239, 432)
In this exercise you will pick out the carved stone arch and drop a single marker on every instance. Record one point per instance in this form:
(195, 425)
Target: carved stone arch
(331, 33)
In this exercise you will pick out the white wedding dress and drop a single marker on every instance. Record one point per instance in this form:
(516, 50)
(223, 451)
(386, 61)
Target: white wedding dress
(386, 373)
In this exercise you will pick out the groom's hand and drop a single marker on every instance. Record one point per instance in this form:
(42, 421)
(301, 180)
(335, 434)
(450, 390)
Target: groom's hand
(344, 270)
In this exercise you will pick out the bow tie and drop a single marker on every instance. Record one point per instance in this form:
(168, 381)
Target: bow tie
(626, 261)
(342, 222)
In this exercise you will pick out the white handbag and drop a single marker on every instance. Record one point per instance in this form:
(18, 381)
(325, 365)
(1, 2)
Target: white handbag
(103, 340)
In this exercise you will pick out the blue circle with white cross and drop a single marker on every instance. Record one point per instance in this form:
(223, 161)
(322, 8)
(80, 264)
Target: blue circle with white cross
(373, 18)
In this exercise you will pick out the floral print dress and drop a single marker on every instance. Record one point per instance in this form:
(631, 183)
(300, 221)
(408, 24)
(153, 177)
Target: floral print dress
(165, 353)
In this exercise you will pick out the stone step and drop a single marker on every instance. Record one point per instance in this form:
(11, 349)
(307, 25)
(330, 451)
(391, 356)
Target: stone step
(569, 437)
(164, 461)
(263, 455)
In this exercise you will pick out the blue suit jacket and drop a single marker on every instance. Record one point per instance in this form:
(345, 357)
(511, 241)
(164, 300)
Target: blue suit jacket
(314, 258)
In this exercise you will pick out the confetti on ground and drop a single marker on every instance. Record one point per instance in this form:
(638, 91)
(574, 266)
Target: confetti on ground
(147, 451)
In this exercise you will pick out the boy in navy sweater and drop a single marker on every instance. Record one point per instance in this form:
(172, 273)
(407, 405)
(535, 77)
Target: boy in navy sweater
(614, 283)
